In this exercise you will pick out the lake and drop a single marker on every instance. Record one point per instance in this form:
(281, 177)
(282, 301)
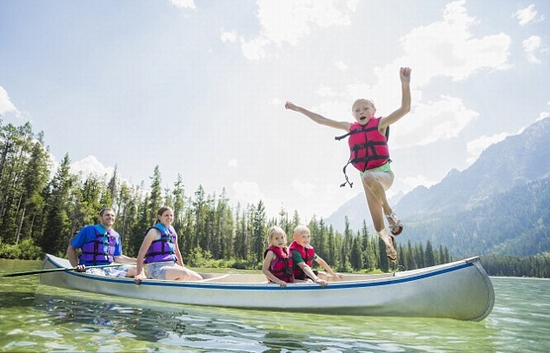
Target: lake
(37, 318)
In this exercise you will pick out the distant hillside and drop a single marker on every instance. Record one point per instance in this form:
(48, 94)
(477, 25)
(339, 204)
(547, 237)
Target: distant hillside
(498, 205)
(515, 161)
(516, 222)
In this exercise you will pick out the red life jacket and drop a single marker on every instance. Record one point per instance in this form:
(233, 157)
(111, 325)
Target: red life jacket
(368, 147)
(281, 266)
(307, 255)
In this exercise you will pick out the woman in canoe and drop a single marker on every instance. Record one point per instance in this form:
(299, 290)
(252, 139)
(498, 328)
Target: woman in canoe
(161, 253)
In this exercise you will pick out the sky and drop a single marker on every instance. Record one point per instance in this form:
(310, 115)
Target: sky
(197, 88)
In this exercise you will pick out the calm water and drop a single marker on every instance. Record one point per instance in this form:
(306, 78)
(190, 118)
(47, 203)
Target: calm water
(40, 318)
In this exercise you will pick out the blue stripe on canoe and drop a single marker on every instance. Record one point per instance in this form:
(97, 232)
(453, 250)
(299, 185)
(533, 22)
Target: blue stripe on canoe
(331, 286)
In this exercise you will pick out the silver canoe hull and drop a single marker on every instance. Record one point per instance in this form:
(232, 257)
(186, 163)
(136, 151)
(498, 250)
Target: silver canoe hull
(459, 290)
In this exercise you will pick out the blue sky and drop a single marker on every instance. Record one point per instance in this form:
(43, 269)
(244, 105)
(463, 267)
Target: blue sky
(198, 87)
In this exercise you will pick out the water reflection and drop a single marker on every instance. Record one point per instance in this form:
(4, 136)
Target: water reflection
(275, 341)
(140, 322)
(217, 329)
(42, 318)
(16, 299)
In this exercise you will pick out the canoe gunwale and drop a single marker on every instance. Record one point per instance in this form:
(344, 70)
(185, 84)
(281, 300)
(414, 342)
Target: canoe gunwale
(209, 283)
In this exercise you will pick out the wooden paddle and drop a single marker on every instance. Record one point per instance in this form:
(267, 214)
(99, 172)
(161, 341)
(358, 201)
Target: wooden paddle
(16, 274)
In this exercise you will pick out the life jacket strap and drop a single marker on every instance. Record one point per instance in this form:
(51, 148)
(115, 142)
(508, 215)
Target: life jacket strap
(346, 176)
(338, 138)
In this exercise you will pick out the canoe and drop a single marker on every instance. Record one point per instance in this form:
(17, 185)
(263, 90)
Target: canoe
(459, 290)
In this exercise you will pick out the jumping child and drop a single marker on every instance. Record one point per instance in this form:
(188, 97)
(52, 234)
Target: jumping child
(370, 155)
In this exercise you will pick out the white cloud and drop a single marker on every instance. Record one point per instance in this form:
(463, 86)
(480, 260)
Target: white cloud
(433, 121)
(333, 108)
(414, 181)
(476, 147)
(360, 90)
(247, 192)
(184, 4)
(530, 47)
(352, 5)
(232, 163)
(254, 49)
(527, 15)
(341, 66)
(448, 48)
(91, 166)
(443, 48)
(325, 91)
(228, 36)
(276, 101)
(544, 115)
(303, 189)
(6, 106)
(289, 21)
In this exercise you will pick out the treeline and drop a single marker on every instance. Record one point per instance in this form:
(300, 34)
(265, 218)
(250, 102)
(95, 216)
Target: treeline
(40, 214)
(514, 266)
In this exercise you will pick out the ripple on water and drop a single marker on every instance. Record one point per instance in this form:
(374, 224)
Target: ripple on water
(63, 320)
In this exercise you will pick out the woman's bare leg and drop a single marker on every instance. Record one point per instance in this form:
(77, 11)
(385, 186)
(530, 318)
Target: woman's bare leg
(179, 273)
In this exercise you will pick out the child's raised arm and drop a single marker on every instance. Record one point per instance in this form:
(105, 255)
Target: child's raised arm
(405, 76)
(319, 119)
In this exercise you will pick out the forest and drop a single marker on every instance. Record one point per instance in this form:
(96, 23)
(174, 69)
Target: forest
(42, 209)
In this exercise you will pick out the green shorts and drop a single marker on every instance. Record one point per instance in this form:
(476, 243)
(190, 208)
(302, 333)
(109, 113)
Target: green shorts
(383, 168)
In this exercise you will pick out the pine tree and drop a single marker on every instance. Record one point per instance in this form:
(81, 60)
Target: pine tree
(35, 177)
(259, 235)
(155, 195)
(56, 233)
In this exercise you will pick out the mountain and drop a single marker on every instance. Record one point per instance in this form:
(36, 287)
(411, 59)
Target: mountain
(499, 205)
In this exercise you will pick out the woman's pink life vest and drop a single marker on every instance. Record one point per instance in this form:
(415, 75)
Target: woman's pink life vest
(281, 266)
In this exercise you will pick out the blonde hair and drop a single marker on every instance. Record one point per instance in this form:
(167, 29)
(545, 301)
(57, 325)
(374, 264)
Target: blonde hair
(272, 232)
(299, 230)
(362, 100)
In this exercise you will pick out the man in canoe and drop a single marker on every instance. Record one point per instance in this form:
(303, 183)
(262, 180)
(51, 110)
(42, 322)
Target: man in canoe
(99, 244)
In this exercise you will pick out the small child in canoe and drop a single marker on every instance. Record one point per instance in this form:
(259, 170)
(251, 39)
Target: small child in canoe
(277, 266)
(303, 255)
